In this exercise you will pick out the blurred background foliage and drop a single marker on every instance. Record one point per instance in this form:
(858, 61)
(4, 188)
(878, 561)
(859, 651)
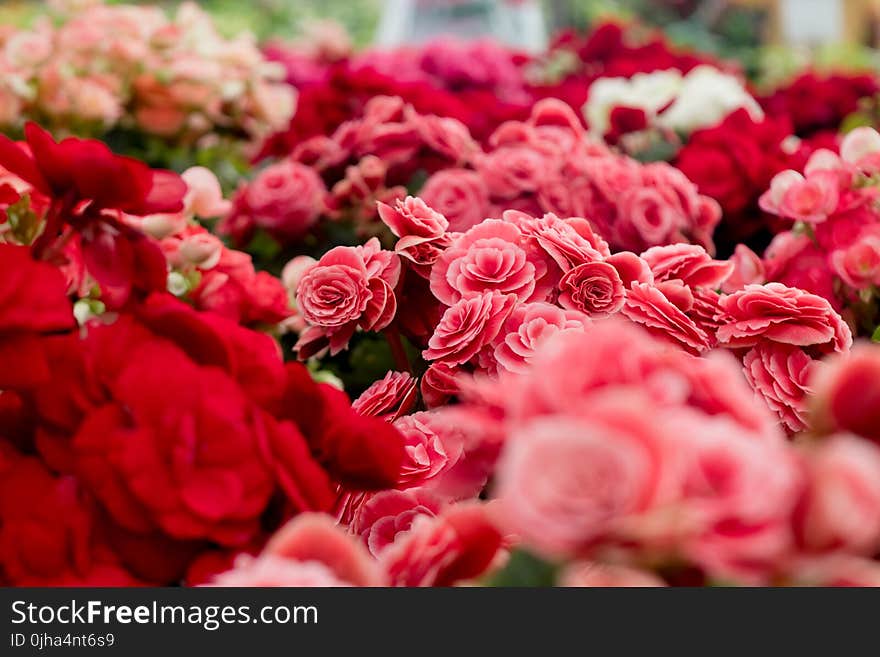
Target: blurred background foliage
(725, 27)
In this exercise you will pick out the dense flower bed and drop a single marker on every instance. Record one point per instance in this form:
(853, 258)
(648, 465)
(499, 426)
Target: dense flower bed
(596, 317)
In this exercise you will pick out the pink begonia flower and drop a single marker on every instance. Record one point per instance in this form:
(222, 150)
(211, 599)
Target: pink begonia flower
(310, 550)
(565, 482)
(569, 242)
(780, 375)
(460, 195)
(782, 314)
(739, 494)
(689, 263)
(204, 197)
(594, 288)
(421, 232)
(390, 396)
(655, 310)
(390, 513)
(861, 148)
(285, 199)
(748, 269)
(840, 509)
(847, 394)
(430, 449)
(349, 288)
(528, 328)
(859, 264)
(593, 574)
(491, 256)
(438, 384)
(459, 544)
(468, 326)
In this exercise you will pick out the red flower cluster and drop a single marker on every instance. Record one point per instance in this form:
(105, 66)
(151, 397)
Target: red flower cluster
(151, 437)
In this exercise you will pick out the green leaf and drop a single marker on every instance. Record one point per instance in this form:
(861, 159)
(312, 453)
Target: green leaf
(876, 336)
(525, 569)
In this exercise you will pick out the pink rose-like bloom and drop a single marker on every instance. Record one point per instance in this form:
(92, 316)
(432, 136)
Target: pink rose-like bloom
(592, 574)
(848, 394)
(565, 482)
(412, 217)
(349, 288)
(204, 197)
(739, 493)
(689, 263)
(458, 545)
(593, 288)
(286, 199)
(859, 264)
(840, 510)
(468, 326)
(430, 449)
(201, 250)
(513, 170)
(568, 242)
(782, 314)
(655, 310)
(271, 571)
(392, 512)
(310, 550)
(392, 395)
(439, 384)
(528, 328)
(811, 200)
(421, 231)
(490, 256)
(650, 215)
(748, 269)
(460, 195)
(861, 148)
(780, 375)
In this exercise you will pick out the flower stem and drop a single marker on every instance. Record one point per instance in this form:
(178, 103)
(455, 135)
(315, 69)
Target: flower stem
(401, 361)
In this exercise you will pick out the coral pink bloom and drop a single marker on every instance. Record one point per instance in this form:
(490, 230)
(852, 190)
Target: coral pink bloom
(848, 394)
(348, 288)
(569, 242)
(688, 263)
(458, 545)
(311, 550)
(412, 217)
(740, 494)
(490, 256)
(652, 307)
(780, 375)
(593, 288)
(841, 508)
(859, 264)
(748, 269)
(566, 482)
(812, 200)
(528, 328)
(460, 195)
(392, 395)
(593, 574)
(468, 326)
(430, 449)
(782, 314)
(386, 515)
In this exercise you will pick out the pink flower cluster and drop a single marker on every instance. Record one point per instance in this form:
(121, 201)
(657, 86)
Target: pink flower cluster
(123, 65)
(833, 247)
(623, 453)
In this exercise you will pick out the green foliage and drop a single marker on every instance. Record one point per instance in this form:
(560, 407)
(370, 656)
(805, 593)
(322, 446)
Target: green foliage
(525, 569)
